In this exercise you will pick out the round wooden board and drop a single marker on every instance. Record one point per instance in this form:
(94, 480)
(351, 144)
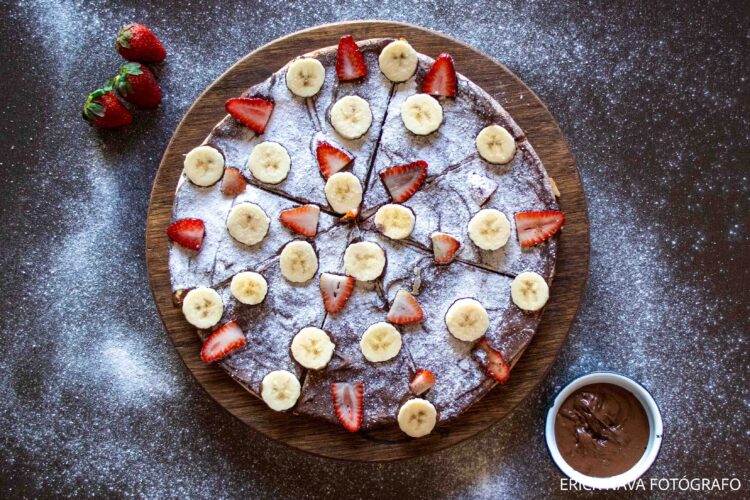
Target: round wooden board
(572, 265)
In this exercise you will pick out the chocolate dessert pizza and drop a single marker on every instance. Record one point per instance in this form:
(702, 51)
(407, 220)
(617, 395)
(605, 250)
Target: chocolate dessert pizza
(366, 238)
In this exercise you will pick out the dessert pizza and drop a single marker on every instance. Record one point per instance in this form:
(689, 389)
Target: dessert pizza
(366, 238)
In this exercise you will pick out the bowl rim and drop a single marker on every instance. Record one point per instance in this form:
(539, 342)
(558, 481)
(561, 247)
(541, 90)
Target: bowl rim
(654, 419)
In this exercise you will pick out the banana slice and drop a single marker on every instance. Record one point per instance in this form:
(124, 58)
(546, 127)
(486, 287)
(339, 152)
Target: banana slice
(204, 166)
(529, 291)
(280, 390)
(343, 192)
(298, 261)
(351, 117)
(269, 162)
(248, 223)
(467, 320)
(305, 76)
(364, 261)
(249, 288)
(422, 114)
(398, 61)
(312, 348)
(417, 417)
(380, 342)
(489, 229)
(495, 144)
(394, 221)
(202, 307)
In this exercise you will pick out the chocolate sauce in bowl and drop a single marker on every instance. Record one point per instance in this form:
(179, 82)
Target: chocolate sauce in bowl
(601, 430)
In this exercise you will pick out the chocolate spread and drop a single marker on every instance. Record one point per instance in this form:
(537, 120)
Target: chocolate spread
(601, 430)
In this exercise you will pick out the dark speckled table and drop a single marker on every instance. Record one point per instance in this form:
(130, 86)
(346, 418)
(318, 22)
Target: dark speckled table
(95, 401)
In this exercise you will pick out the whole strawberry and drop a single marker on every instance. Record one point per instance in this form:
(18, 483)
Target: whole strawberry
(137, 85)
(104, 109)
(135, 42)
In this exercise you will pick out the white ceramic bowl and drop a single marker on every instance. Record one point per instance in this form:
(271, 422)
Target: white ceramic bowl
(654, 438)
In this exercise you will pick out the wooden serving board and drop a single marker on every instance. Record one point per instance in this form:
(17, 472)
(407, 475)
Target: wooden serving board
(572, 265)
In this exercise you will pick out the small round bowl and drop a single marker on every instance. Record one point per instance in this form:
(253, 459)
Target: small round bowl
(654, 438)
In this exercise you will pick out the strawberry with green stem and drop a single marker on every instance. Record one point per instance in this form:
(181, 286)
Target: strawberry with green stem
(135, 42)
(104, 109)
(137, 85)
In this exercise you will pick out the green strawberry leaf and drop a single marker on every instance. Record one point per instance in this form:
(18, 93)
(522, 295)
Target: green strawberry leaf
(132, 68)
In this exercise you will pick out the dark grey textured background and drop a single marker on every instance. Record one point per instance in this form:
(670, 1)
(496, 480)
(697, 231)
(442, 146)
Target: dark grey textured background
(94, 399)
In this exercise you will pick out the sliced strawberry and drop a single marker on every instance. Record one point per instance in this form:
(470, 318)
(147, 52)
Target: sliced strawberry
(496, 365)
(302, 220)
(350, 63)
(347, 403)
(405, 309)
(253, 112)
(535, 227)
(331, 159)
(403, 181)
(233, 183)
(441, 79)
(444, 247)
(187, 233)
(421, 382)
(223, 341)
(336, 290)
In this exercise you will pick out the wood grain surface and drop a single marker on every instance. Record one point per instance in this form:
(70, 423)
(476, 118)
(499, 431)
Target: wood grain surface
(572, 266)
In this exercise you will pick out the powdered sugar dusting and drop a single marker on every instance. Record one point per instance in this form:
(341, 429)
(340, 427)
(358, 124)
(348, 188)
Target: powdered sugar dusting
(448, 201)
(652, 100)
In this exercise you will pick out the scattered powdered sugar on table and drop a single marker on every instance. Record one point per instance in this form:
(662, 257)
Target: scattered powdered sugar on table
(654, 102)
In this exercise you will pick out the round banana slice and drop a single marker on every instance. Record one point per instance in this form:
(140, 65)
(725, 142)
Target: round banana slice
(280, 390)
(269, 162)
(467, 319)
(394, 221)
(204, 166)
(248, 223)
(489, 229)
(202, 307)
(380, 342)
(305, 76)
(298, 261)
(529, 291)
(312, 348)
(495, 144)
(398, 61)
(417, 417)
(422, 114)
(364, 261)
(351, 117)
(343, 192)
(249, 288)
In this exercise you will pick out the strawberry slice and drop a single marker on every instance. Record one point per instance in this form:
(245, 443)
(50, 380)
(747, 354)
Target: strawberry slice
(336, 290)
(233, 183)
(223, 341)
(535, 227)
(496, 365)
(422, 381)
(441, 79)
(444, 247)
(187, 233)
(403, 181)
(350, 63)
(405, 309)
(331, 159)
(253, 112)
(347, 403)
(302, 220)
